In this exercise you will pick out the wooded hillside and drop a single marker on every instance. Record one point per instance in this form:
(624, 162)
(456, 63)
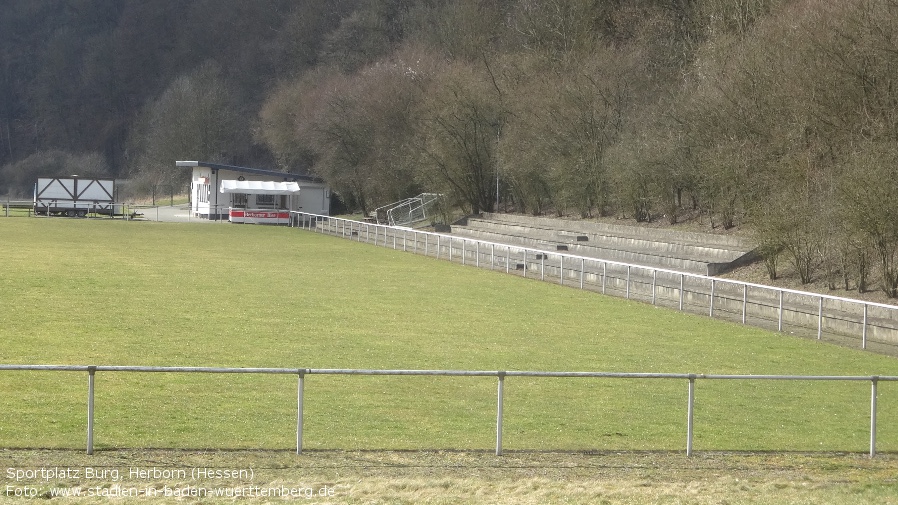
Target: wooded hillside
(777, 115)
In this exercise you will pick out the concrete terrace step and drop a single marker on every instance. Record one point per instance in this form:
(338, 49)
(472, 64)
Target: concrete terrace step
(654, 234)
(608, 241)
(592, 251)
(704, 254)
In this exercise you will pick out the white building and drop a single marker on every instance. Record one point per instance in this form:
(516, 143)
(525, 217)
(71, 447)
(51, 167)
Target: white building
(253, 195)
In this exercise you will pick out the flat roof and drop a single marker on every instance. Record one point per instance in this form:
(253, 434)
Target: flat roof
(248, 170)
(259, 187)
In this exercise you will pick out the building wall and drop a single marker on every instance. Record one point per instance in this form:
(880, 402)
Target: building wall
(201, 185)
(314, 198)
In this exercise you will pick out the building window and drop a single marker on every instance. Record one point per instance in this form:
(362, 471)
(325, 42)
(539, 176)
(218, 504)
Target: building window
(239, 200)
(202, 193)
(267, 200)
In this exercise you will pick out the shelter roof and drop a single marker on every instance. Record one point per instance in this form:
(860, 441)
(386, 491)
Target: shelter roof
(259, 187)
(247, 170)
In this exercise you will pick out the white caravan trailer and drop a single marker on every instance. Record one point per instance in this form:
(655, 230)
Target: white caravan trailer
(74, 196)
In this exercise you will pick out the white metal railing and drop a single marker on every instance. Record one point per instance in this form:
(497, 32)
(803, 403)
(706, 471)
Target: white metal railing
(16, 204)
(750, 303)
(411, 210)
(501, 375)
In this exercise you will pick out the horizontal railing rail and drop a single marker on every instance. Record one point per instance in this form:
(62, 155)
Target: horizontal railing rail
(92, 370)
(714, 296)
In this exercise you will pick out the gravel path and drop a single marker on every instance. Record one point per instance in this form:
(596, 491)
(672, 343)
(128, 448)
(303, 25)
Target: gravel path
(171, 214)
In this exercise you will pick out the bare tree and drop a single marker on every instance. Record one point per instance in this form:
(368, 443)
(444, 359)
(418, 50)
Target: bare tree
(195, 118)
(458, 129)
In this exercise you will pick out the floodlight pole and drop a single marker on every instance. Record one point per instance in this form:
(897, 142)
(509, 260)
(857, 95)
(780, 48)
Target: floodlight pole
(498, 133)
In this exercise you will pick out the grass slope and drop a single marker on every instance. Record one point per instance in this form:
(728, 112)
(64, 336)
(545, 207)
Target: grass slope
(451, 477)
(126, 293)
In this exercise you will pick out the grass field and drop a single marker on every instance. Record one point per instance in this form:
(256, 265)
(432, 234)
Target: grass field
(111, 292)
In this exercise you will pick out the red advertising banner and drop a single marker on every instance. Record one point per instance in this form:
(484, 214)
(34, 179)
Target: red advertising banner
(258, 216)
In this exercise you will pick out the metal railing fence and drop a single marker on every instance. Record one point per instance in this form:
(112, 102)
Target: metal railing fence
(782, 309)
(16, 204)
(301, 373)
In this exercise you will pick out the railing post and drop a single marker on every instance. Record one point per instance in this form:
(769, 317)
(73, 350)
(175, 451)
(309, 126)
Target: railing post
(820, 319)
(864, 333)
(492, 256)
(450, 249)
(404, 240)
(299, 408)
(654, 284)
(477, 254)
(507, 259)
(628, 282)
(561, 273)
(525, 263)
(91, 371)
(711, 304)
(464, 253)
(744, 302)
(604, 275)
(500, 395)
(779, 326)
(874, 380)
(426, 236)
(438, 247)
(681, 292)
(690, 415)
(582, 268)
(542, 267)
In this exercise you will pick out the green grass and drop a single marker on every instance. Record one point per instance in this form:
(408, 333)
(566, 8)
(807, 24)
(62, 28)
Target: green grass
(14, 211)
(110, 292)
